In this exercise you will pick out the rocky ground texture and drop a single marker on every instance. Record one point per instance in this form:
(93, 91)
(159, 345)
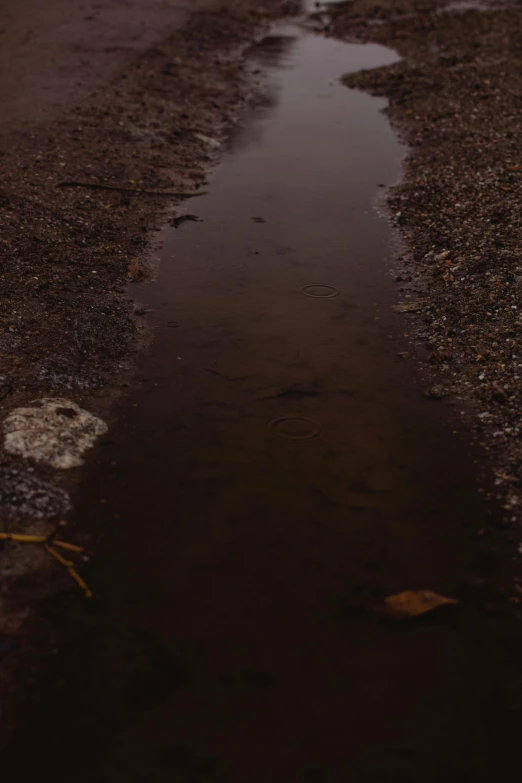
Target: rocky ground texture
(455, 97)
(81, 193)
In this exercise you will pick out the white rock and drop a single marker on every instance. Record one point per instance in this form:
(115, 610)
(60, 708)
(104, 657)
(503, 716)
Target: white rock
(55, 431)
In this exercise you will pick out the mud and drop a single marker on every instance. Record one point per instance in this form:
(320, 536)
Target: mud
(236, 636)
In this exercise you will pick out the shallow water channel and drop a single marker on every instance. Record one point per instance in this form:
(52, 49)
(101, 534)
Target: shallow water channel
(276, 473)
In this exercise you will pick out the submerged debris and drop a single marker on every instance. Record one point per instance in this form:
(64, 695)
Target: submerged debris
(139, 270)
(55, 432)
(51, 544)
(436, 392)
(407, 307)
(294, 390)
(180, 219)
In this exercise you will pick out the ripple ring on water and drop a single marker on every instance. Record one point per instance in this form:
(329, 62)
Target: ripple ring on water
(278, 425)
(319, 291)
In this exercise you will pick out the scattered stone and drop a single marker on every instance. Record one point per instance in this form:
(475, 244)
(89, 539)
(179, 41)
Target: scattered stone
(454, 96)
(215, 143)
(55, 432)
(436, 392)
(57, 375)
(24, 496)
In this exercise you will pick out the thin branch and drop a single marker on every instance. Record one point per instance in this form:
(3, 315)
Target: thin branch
(122, 189)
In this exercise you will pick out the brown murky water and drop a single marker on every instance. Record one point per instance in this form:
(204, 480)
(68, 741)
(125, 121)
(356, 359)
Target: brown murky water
(278, 472)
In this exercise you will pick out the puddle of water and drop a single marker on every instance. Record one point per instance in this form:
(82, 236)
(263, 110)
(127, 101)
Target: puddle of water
(276, 473)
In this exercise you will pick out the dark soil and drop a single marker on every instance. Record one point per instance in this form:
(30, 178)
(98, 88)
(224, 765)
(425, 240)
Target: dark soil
(66, 252)
(68, 327)
(455, 98)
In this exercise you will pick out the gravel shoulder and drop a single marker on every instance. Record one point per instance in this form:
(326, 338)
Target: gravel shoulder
(455, 98)
(132, 128)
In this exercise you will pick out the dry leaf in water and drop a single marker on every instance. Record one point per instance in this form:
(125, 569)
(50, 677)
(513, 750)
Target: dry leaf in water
(412, 603)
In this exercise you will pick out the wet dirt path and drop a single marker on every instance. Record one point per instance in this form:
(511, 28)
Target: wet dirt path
(55, 52)
(275, 475)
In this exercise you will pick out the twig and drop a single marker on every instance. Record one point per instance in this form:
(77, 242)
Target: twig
(79, 581)
(122, 189)
(70, 547)
(22, 538)
(57, 556)
(19, 537)
(70, 567)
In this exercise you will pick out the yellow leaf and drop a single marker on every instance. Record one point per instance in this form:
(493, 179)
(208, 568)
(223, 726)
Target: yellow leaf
(412, 603)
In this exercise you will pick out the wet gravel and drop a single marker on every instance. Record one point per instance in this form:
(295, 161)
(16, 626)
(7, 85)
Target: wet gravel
(455, 98)
(69, 323)
(67, 320)
(67, 253)
(25, 498)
